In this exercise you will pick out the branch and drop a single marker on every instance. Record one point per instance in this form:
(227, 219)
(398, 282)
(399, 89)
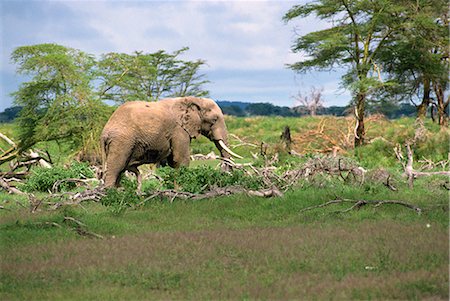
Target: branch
(356, 32)
(115, 83)
(357, 204)
(172, 194)
(9, 141)
(71, 180)
(410, 173)
(9, 189)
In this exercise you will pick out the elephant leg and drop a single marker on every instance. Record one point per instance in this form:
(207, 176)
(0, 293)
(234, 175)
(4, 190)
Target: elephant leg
(180, 150)
(116, 163)
(134, 169)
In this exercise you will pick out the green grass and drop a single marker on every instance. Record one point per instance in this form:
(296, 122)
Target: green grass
(236, 247)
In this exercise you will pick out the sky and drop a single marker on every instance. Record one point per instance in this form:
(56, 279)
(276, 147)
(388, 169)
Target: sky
(245, 44)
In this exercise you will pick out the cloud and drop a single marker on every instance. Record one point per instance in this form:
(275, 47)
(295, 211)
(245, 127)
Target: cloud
(245, 43)
(227, 34)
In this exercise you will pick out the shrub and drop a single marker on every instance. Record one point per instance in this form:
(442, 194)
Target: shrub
(118, 201)
(202, 178)
(42, 179)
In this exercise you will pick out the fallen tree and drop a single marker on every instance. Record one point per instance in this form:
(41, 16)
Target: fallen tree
(409, 171)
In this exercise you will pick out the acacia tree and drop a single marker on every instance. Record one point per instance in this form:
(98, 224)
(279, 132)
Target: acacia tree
(418, 59)
(57, 102)
(149, 76)
(358, 30)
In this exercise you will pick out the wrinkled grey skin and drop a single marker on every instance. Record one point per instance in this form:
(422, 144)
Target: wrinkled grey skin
(149, 132)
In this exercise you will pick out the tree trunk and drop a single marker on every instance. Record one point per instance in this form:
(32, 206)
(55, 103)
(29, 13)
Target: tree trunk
(286, 138)
(441, 105)
(422, 108)
(443, 117)
(360, 132)
(433, 112)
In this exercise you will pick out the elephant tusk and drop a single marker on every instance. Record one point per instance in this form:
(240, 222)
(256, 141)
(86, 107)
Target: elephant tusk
(223, 145)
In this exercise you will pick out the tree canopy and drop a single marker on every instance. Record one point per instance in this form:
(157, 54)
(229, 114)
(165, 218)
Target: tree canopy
(58, 101)
(419, 59)
(149, 76)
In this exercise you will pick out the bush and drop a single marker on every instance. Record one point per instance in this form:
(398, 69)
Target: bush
(42, 179)
(118, 201)
(203, 178)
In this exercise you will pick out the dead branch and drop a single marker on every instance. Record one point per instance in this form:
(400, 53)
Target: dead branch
(20, 175)
(357, 204)
(42, 162)
(71, 180)
(410, 173)
(71, 219)
(8, 140)
(14, 152)
(224, 191)
(210, 156)
(34, 202)
(428, 164)
(241, 142)
(94, 195)
(10, 189)
(286, 138)
(79, 227)
(389, 185)
(66, 199)
(49, 224)
(325, 137)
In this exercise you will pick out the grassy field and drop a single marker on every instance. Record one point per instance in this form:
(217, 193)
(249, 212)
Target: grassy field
(241, 247)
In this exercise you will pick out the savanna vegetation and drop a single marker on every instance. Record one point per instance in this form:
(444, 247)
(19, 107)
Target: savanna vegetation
(321, 207)
(237, 245)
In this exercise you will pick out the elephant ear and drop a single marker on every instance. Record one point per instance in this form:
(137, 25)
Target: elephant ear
(189, 117)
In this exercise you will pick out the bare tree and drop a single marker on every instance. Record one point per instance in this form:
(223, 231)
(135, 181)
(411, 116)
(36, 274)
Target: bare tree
(311, 102)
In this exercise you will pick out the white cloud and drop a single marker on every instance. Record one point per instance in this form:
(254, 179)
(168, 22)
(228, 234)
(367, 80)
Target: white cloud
(227, 34)
(232, 36)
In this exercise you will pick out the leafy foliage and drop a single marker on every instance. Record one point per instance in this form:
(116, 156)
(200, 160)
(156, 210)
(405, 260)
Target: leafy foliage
(421, 56)
(58, 102)
(203, 178)
(119, 201)
(149, 76)
(42, 179)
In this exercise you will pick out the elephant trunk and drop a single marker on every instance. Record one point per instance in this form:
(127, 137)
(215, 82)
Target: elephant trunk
(219, 136)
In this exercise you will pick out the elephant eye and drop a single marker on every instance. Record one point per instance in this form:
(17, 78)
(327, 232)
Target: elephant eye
(212, 120)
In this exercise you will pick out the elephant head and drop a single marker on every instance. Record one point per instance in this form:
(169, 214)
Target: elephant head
(203, 116)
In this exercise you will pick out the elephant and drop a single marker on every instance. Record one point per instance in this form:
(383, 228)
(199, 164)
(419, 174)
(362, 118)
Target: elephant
(140, 132)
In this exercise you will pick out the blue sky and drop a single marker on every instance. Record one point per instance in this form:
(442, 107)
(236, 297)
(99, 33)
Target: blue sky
(245, 43)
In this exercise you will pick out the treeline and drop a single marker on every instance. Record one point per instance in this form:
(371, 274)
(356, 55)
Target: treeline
(241, 109)
(9, 114)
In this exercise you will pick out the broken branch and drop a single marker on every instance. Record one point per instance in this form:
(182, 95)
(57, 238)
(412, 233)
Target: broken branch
(357, 204)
